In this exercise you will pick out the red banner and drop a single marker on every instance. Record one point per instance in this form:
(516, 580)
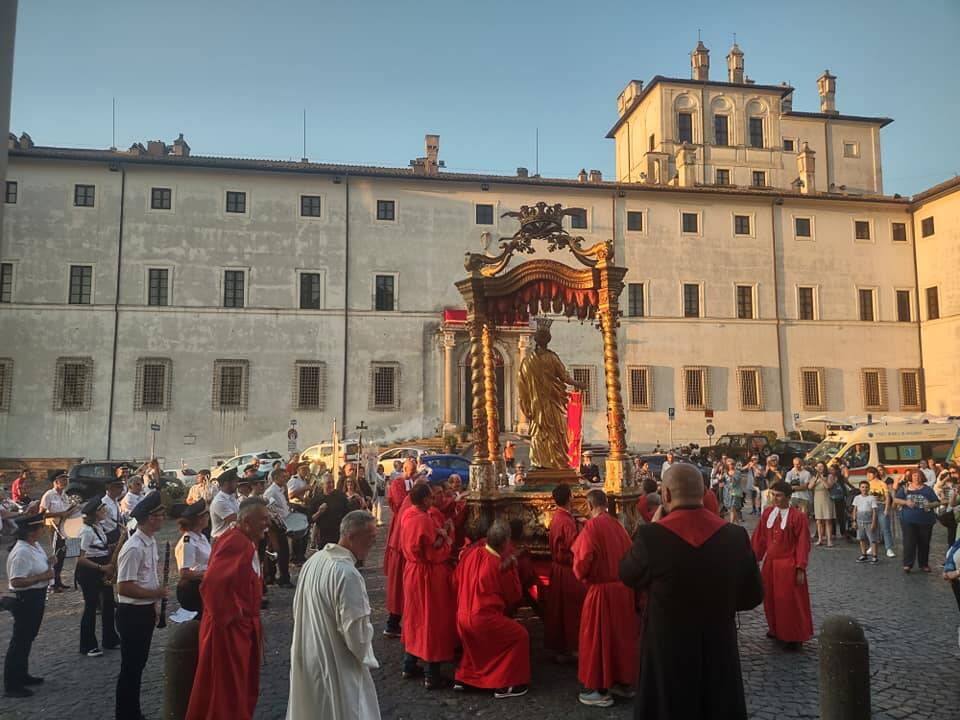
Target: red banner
(574, 428)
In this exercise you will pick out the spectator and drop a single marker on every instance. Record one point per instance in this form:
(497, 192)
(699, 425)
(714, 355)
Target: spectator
(946, 488)
(20, 490)
(733, 492)
(929, 476)
(916, 500)
(771, 474)
(798, 478)
(751, 496)
(823, 508)
(951, 570)
(881, 490)
(865, 511)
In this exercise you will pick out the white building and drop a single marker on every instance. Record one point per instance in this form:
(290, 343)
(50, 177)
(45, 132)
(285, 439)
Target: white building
(220, 297)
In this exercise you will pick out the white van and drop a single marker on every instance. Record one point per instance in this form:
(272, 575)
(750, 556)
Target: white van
(349, 450)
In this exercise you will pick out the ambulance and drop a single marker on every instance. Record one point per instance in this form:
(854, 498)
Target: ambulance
(895, 445)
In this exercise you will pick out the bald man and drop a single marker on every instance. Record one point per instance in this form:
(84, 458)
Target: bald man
(685, 555)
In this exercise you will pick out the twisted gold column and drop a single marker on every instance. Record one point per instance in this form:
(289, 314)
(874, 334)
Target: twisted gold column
(490, 394)
(481, 449)
(616, 430)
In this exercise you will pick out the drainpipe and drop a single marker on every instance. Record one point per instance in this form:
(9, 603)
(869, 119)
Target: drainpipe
(346, 304)
(777, 202)
(116, 307)
(922, 390)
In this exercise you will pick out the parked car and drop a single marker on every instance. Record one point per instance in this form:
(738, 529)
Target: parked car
(740, 446)
(89, 479)
(787, 449)
(349, 453)
(443, 466)
(264, 458)
(386, 458)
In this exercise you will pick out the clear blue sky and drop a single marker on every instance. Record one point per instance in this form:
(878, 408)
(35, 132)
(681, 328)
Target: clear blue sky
(374, 77)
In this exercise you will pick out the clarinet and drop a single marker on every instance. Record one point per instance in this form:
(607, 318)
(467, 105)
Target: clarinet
(162, 621)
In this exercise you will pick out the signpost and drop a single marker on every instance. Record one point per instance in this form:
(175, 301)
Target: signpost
(710, 431)
(796, 421)
(671, 416)
(154, 429)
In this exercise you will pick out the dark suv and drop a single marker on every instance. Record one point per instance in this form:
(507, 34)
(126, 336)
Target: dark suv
(89, 479)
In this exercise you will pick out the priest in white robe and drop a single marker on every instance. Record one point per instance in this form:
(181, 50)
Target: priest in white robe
(332, 651)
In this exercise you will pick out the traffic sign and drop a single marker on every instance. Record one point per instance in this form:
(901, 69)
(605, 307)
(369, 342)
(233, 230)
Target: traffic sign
(796, 417)
(708, 414)
(710, 430)
(671, 413)
(293, 423)
(291, 434)
(155, 427)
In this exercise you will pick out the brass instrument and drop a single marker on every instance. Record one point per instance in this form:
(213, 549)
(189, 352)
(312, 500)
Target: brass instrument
(111, 577)
(162, 621)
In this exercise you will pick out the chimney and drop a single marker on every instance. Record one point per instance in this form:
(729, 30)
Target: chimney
(596, 176)
(700, 62)
(582, 176)
(786, 102)
(137, 150)
(735, 65)
(26, 142)
(523, 172)
(156, 148)
(180, 147)
(629, 94)
(827, 87)
(12, 142)
(429, 164)
(686, 165)
(806, 167)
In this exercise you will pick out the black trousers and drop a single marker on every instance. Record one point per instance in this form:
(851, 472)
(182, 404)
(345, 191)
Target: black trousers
(282, 563)
(135, 623)
(842, 519)
(27, 616)
(95, 593)
(60, 551)
(949, 521)
(916, 543)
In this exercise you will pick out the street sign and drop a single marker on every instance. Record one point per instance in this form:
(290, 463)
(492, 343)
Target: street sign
(155, 427)
(292, 434)
(293, 423)
(708, 414)
(710, 430)
(796, 417)
(671, 414)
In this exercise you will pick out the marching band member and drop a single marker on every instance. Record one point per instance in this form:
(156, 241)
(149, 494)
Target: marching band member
(225, 505)
(138, 594)
(93, 570)
(133, 496)
(113, 520)
(298, 488)
(56, 507)
(279, 508)
(192, 553)
(29, 570)
(203, 489)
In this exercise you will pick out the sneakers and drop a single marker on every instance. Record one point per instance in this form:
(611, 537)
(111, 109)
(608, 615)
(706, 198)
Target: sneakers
(595, 699)
(96, 652)
(862, 559)
(391, 633)
(874, 560)
(512, 691)
(891, 553)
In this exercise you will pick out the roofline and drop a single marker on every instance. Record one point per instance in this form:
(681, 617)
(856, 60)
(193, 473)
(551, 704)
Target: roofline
(937, 190)
(881, 121)
(784, 90)
(202, 162)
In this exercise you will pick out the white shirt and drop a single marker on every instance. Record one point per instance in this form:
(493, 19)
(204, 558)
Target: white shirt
(277, 496)
(222, 507)
(113, 519)
(782, 513)
(129, 502)
(138, 563)
(293, 485)
(24, 560)
(665, 467)
(192, 551)
(865, 503)
(55, 502)
(930, 475)
(93, 541)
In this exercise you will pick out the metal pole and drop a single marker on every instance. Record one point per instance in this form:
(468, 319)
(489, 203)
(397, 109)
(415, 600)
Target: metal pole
(153, 444)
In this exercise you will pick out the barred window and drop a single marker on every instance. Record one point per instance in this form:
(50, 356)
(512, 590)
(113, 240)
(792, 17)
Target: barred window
(236, 202)
(6, 282)
(695, 388)
(84, 195)
(865, 302)
(153, 384)
(81, 284)
(6, 383)
(635, 306)
(811, 388)
(745, 302)
(309, 206)
(233, 282)
(10, 197)
(231, 384)
(874, 385)
(910, 397)
(751, 388)
(384, 386)
(158, 291)
(585, 374)
(160, 198)
(641, 388)
(73, 383)
(311, 291)
(310, 385)
(805, 304)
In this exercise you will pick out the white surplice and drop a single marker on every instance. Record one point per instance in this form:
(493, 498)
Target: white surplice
(332, 651)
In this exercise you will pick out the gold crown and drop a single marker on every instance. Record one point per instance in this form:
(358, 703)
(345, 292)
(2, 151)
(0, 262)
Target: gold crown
(543, 323)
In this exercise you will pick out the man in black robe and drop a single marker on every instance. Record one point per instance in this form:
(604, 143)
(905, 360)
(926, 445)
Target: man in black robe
(698, 572)
(331, 507)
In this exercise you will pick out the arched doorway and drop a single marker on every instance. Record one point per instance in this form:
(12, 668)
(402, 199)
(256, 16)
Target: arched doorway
(467, 394)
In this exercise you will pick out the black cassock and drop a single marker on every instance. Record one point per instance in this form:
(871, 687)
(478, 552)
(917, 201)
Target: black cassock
(698, 572)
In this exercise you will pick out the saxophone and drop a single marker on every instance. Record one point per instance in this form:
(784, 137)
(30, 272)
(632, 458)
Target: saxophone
(111, 577)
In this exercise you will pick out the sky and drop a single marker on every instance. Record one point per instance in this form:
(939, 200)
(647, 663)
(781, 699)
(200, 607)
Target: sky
(375, 76)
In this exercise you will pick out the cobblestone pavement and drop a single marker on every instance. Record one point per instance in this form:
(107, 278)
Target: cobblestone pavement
(910, 620)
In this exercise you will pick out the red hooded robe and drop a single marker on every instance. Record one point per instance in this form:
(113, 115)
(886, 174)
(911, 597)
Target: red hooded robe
(564, 597)
(393, 560)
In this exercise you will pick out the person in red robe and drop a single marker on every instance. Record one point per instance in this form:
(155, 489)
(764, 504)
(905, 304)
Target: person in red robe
(429, 628)
(496, 648)
(781, 542)
(227, 681)
(397, 498)
(455, 508)
(530, 583)
(608, 625)
(563, 598)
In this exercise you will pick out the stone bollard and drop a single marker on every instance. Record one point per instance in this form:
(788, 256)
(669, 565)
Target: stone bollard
(844, 670)
(180, 664)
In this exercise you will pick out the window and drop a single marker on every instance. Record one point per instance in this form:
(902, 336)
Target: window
(933, 303)
(641, 390)
(578, 219)
(310, 206)
(685, 127)
(756, 132)
(310, 385)
(910, 398)
(81, 284)
(865, 297)
(231, 384)
(723, 177)
(384, 386)
(584, 374)
(311, 291)
(6, 383)
(899, 231)
(83, 195)
(691, 300)
(385, 293)
(690, 222)
(695, 388)
(6, 282)
(788, 145)
(811, 388)
(651, 143)
(873, 382)
(10, 196)
(386, 210)
(158, 286)
(806, 304)
(741, 224)
(160, 198)
(153, 384)
(903, 306)
(759, 178)
(635, 220)
(233, 287)
(635, 304)
(73, 383)
(484, 214)
(745, 302)
(861, 229)
(751, 389)
(802, 227)
(236, 202)
(720, 134)
(851, 150)
(926, 227)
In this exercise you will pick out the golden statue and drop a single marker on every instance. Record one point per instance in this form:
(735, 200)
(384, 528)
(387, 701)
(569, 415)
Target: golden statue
(543, 399)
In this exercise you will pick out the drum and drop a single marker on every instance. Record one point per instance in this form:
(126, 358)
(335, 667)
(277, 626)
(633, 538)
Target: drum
(297, 524)
(72, 527)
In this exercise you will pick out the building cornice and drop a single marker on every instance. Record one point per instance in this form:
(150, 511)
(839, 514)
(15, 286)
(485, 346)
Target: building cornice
(944, 188)
(881, 121)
